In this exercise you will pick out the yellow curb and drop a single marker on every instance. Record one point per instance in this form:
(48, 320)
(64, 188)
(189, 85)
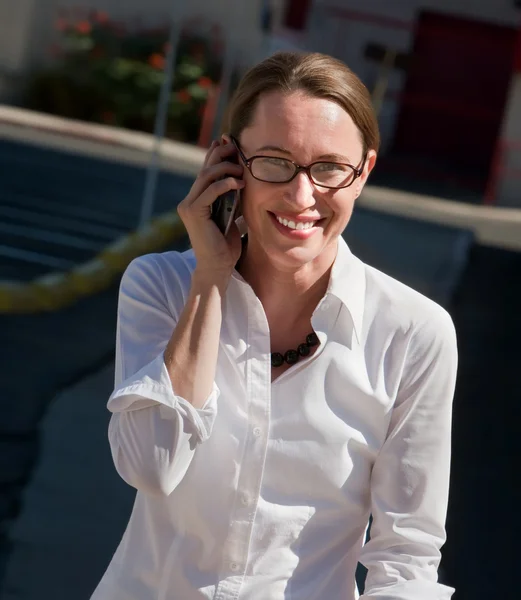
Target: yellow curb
(55, 291)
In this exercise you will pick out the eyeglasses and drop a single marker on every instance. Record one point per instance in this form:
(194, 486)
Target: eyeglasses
(273, 169)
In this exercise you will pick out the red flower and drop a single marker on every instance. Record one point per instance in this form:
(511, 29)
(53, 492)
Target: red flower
(184, 96)
(205, 82)
(84, 27)
(157, 61)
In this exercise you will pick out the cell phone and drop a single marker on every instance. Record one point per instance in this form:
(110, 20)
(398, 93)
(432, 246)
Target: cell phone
(224, 210)
(225, 207)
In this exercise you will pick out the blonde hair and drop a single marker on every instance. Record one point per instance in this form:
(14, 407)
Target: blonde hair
(318, 75)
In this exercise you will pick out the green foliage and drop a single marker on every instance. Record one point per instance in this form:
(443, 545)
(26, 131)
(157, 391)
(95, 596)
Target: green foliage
(105, 72)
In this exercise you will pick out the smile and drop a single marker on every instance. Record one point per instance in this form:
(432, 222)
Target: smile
(296, 229)
(298, 226)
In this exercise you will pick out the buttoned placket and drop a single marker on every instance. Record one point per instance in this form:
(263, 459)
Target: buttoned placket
(259, 390)
(258, 386)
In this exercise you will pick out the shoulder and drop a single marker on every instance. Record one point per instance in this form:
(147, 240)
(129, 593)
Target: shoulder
(159, 278)
(394, 306)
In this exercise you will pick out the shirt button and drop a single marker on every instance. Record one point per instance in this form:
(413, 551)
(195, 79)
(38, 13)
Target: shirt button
(257, 431)
(234, 567)
(325, 305)
(245, 500)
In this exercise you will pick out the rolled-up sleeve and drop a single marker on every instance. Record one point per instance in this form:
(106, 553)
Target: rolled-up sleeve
(410, 477)
(153, 432)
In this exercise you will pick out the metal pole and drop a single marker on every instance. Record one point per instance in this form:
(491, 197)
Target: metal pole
(224, 86)
(382, 83)
(229, 63)
(147, 205)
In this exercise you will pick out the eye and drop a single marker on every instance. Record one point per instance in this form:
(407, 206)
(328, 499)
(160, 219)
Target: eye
(330, 167)
(276, 162)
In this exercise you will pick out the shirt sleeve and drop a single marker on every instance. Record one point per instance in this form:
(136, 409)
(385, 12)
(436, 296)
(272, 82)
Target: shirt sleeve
(153, 432)
(410, 477)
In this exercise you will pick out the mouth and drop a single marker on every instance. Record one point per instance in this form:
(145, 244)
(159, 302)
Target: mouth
(296, 229)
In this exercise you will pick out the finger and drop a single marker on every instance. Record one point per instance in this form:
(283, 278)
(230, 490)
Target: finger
(209, 196)
(213, 173)
(220, 153)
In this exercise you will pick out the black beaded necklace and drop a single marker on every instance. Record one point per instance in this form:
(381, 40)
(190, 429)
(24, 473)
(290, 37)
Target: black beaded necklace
(292, 356)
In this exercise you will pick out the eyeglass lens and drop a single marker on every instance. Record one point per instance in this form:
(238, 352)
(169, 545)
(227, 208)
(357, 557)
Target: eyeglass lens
(280, 170)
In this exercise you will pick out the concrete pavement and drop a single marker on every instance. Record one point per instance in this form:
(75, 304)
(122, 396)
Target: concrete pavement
(76, 506)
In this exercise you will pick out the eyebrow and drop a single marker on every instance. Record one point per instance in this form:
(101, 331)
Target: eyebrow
(333, 156)
(273, 149)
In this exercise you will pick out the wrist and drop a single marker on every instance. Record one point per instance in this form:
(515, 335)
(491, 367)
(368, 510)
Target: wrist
(207, 278)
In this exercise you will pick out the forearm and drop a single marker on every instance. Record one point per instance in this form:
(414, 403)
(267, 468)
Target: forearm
(410, 476)
(191, 353)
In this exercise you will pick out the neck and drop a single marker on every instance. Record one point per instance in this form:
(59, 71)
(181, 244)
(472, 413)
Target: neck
(286, 294)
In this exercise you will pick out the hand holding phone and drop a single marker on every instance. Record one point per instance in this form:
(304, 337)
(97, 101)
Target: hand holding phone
(225, 209)
(209, 210)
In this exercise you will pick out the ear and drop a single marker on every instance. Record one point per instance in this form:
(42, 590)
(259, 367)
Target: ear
(369, 164)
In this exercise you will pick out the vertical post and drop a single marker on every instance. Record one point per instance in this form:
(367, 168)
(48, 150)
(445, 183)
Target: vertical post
(147, 205)
(224, 86)
(382, 83)
(208, 118)
(266, 27)
(229, 63)
(510, 130)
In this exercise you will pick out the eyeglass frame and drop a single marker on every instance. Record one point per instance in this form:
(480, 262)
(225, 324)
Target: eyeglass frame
(299, 168)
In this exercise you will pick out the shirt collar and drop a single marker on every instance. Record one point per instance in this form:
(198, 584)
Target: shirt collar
(347, 283)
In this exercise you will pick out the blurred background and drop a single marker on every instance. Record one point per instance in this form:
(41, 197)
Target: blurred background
(106, 109)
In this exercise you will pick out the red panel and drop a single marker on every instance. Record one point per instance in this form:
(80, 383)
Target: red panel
(297, 13)
(456, 90)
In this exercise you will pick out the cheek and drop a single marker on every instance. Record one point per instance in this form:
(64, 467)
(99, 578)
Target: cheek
(254, 196)
(341, 204)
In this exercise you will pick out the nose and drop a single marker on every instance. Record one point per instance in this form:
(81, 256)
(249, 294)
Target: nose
(300, 192)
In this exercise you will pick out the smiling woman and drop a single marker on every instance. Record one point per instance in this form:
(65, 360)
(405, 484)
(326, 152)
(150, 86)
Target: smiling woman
(273, 391)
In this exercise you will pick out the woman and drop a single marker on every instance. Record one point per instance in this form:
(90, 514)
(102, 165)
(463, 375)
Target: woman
(256, 479)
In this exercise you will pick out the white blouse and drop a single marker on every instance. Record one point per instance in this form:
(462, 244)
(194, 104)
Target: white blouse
(265, 493)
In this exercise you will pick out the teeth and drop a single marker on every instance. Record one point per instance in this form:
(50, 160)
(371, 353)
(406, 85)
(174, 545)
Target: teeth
(298, 226)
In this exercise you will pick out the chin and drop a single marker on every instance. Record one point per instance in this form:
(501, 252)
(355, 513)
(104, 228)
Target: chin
(293, 258)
